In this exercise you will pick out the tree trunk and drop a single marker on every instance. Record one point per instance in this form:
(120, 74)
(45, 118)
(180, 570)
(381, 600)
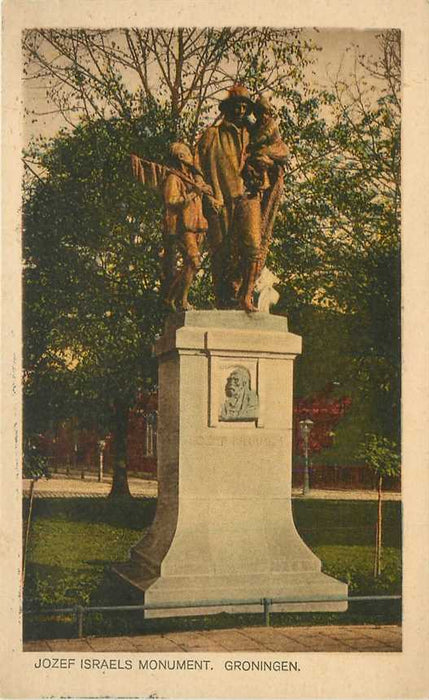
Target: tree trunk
(377, 561)
(120, 479)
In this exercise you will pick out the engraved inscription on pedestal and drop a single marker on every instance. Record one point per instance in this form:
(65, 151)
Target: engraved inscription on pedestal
(240, 401)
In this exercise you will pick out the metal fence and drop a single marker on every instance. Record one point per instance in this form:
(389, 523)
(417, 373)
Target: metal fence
(342, 477)
(79, 611)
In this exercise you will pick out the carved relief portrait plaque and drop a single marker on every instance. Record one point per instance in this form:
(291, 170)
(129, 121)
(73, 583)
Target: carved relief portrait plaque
(240, 400)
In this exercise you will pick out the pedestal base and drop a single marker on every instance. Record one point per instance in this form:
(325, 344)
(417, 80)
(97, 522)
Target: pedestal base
(224, 529)
(195, 594)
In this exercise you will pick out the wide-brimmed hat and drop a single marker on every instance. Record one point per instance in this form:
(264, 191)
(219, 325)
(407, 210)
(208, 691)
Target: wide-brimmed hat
(236, 93)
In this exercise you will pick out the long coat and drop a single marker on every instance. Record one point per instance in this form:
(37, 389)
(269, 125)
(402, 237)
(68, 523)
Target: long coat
(220, 157)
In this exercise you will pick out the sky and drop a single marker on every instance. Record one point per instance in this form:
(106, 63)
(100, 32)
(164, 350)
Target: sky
(333, 42)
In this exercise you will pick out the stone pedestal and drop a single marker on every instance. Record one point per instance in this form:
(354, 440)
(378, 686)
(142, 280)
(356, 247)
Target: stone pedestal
(223, 528)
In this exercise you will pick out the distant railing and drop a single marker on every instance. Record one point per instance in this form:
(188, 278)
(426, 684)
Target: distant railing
(352, 477)
(321, 477)
(79, 611)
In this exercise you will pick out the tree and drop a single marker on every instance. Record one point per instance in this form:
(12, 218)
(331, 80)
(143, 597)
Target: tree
(91, 255)
(382, 457)
(336, 245)
(125, 73)
(93, 311)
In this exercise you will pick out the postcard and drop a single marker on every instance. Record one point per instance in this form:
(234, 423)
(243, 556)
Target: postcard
(215, 362)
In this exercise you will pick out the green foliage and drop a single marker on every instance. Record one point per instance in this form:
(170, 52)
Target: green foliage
(92, 240)
(73, 542)
(381, 455)
(92, 236)
(35, 465)
(328, 523)
(355, 566)
(336, 349)
(336, 245)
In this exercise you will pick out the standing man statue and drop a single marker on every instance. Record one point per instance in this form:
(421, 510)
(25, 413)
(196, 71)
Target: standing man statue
(221, 153)
(240, 232)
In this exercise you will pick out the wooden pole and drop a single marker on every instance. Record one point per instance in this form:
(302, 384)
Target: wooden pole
(379, 526)
(27, 529)
(376, 549)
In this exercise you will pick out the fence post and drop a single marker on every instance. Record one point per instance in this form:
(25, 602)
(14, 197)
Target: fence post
(79, 620)
(267, 605)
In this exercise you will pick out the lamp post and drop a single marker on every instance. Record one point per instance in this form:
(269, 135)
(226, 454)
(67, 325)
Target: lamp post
(305, 427)
(101, 446)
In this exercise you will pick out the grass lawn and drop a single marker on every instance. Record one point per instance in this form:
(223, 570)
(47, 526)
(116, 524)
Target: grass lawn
(73, 542)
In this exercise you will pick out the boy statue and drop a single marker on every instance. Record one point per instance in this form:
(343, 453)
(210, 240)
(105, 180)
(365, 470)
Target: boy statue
(184, 224)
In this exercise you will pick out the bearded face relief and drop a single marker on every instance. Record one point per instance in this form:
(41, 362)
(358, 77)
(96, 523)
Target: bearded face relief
(241, 402)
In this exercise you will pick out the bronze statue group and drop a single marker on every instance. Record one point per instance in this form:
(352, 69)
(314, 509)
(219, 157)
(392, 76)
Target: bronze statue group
(227, 192)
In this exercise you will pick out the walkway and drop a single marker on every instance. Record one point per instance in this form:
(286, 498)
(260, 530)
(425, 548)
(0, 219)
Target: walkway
(74, 487)
(90, 487)
(346, 638)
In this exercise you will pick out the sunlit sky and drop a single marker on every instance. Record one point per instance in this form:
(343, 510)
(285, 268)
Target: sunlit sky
(337, 50)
